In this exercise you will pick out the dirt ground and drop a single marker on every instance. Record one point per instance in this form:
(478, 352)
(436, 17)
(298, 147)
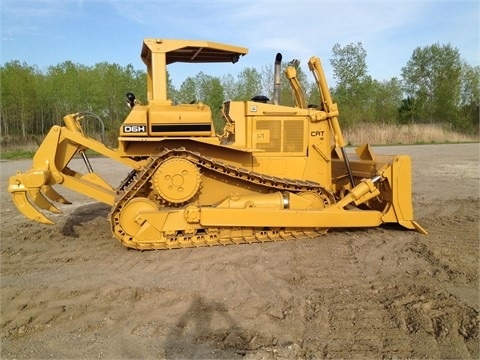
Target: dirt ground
(72, 291)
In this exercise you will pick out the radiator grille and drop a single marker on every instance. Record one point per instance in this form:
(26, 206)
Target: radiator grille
(285, 135)
(274, 126)
(293, 135)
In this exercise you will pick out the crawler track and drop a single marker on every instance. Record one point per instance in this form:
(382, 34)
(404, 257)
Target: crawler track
(134, 185)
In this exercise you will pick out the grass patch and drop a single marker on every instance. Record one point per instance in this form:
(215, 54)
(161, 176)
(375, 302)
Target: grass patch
(410, 134)
(28, 150)
(17, 155)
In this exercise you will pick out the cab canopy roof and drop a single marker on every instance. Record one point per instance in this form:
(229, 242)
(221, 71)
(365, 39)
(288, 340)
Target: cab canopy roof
(190, 51)
(158, 53)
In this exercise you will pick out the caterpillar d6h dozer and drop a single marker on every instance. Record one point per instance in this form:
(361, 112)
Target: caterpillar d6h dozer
(275, 173)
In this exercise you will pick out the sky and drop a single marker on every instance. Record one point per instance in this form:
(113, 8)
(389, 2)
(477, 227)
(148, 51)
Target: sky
(48, 32)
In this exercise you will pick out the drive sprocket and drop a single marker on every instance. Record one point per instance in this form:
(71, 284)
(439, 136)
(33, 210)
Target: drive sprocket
(176, 180)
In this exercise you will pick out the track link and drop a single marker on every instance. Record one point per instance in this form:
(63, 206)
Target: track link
(131, 188)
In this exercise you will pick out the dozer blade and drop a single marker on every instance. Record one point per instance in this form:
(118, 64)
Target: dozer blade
(400, 178)
(389, 180)
(21, 201)
(53, 195)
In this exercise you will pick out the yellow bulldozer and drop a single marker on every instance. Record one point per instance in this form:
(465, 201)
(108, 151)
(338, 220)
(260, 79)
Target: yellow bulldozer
(275, 172)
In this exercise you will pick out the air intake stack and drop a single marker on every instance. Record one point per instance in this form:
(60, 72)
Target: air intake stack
(276, 75)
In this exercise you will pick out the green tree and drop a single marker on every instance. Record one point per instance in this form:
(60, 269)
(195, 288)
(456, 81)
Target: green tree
(229, 87)
(187, 92)
(267, 81)
(206, 89)
(171, 91)
(432, 78)
(385, 99)
(68, 88)
(210, 91)
(43, 108)
(354, 85)
(19, 98)
(349, 65)
(313, 94)
(470, 97)
(406, 112)
(114, 82)
(248, 84)
(33, 101)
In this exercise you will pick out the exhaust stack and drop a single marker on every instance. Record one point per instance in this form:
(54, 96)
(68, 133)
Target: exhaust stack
(276, 75)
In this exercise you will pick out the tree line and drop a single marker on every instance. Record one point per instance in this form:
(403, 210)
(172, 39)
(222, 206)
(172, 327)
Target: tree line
(436, 86)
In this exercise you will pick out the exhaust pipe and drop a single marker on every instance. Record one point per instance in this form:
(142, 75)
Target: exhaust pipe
(276, 76)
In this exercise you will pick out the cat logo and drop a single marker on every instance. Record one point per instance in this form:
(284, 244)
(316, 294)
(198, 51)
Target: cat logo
(134, 128)
(318, 133)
